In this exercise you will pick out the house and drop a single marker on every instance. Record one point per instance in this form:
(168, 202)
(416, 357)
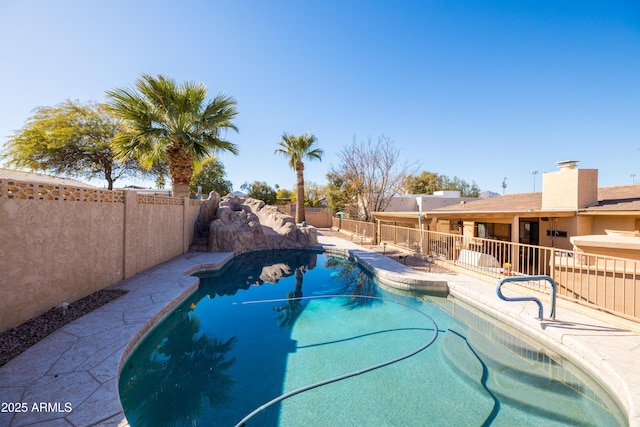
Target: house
(570, 212)
(38, 178)
(149, 191)
(425, 202)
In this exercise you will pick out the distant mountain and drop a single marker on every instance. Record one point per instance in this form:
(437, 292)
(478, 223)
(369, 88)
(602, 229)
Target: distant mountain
(488, 194)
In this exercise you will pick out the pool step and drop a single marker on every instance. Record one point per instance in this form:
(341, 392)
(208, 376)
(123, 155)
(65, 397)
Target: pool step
(518, 383)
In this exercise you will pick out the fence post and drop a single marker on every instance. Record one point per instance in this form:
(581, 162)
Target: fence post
(129, 258)
(187, 228)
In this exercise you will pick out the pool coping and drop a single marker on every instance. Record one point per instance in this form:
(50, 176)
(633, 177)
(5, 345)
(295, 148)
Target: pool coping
(71, 377)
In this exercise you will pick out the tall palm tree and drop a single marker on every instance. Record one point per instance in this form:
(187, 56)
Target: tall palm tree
(297, 148)
(172, 122)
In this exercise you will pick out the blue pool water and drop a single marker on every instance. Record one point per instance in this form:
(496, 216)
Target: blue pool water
(278, 323)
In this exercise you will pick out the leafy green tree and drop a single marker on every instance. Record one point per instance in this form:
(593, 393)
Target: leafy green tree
(283, 195)
(424, 183)
(314, 194)
(466, 189)
(71, 139)
(298, 148)
(172, 122)
(339, 192)
(261, 191)
(430, 182)
(210, 176)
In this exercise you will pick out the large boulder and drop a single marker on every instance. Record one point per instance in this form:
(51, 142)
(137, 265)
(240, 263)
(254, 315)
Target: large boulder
(239, 226)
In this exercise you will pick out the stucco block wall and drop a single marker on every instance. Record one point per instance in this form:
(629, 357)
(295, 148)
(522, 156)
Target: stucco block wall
(559, 224)
(402, 204)
(317, 217)
(55, 251)
(59, 244)
(155, 233)
(602, 223)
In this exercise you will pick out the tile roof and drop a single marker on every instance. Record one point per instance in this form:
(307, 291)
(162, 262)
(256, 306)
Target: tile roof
(620, 198)
(9, 174)
(505, 203)
(617, 199)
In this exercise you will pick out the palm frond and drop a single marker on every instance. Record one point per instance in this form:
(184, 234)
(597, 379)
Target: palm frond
(297, 148)
(161, 115)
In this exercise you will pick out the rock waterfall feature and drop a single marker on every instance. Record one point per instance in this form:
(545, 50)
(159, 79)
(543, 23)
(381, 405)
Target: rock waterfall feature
(230, 224)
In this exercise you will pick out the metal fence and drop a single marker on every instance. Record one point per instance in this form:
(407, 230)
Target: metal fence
(364, 230)
(606, 283)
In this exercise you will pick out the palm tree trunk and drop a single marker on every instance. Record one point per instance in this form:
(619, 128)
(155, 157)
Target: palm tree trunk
(179, 189)
(180, 169)
(298, 291)
(300, 193)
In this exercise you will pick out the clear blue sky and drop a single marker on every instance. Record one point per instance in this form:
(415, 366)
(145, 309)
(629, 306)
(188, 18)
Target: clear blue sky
(477, 89)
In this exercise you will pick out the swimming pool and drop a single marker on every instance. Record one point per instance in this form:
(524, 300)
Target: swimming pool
(272, 323)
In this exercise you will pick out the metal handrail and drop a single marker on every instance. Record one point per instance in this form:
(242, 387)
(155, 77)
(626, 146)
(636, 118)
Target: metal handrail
(534, 299)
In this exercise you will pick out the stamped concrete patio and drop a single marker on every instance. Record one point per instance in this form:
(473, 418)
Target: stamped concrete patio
(70, 378)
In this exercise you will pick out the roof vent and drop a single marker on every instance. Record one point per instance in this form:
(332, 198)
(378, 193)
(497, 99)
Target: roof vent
(568, 164)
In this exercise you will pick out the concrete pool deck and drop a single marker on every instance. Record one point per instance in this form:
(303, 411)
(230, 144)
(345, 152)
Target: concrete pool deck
(70, 378)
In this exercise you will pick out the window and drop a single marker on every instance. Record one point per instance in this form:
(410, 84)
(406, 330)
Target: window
(484, 230)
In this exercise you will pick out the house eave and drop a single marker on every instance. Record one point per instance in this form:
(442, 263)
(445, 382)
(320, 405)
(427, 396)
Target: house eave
(588, 212)
(473, 214)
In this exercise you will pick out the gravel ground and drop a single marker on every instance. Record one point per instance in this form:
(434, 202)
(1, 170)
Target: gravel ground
(16, 340)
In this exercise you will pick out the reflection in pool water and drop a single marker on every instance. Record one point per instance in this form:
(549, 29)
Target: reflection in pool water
(267, 324)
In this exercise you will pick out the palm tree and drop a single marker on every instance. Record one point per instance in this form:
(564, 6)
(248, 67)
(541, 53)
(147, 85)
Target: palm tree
(172, 122)
(298, 148)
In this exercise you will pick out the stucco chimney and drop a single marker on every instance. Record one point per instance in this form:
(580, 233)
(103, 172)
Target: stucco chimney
(569, 188)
